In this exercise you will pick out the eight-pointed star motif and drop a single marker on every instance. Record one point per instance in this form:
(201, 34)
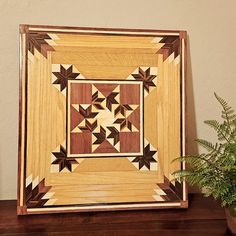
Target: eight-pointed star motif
(146, 77)
(146, 159)
(64, 75)
(62, 160)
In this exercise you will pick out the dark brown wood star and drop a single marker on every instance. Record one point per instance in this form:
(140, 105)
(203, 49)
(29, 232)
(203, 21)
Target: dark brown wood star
(146, 77)
(64, 75)
(62, 160)
(146, 159)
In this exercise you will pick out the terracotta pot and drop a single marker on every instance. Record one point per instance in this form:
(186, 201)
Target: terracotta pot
(231, 218)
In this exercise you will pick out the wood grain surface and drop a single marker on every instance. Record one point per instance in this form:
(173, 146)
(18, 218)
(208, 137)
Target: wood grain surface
(203, 218)
(101, 118)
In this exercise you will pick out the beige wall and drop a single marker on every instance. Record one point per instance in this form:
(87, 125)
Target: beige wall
(212, 65)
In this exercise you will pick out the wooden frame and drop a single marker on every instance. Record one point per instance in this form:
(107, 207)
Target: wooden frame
(72, 80)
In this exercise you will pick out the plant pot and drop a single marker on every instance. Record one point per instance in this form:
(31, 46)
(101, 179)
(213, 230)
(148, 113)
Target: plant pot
(230, 213)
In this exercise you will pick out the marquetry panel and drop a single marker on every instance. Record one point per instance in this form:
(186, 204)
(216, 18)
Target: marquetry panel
(101, 118)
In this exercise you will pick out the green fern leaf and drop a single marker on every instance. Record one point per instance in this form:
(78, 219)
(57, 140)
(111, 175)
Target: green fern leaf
(222, 102)
(213, 123)
(215, 170)
(206, 144)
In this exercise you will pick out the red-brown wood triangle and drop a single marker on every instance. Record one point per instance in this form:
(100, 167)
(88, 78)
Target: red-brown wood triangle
(134, 118)
(76, 118)
(105, 147)
(105, 89)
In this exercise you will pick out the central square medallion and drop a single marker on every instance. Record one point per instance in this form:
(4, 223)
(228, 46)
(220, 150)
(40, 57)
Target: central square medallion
(104, 118)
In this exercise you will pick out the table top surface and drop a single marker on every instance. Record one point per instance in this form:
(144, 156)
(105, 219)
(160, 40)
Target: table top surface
(204, 217)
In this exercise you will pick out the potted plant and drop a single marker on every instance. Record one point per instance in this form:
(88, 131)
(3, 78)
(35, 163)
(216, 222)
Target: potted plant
(214, 171)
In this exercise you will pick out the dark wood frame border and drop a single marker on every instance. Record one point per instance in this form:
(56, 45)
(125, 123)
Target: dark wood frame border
(24, 29)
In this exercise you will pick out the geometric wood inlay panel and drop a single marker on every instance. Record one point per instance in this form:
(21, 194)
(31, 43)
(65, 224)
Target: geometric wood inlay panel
(102, 116)
(103, 120)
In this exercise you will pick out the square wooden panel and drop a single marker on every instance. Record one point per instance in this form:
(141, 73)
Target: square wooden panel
(102, 120)
(102, 115)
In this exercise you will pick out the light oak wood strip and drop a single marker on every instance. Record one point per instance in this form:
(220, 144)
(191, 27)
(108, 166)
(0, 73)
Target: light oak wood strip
(160, 117)
(150, 116)
(91, 200)
(96, 58)
(105, 164)
(151, 123)
(46, 116)
(105, 72)
(102, 178)
(106, 187)
(100, 194)
(166, 128)
(22, 147)
(76, 38)
(104, 44)
(32, 132)
(105, 65)
(108, 42)
(172, 117)
(174, 111)
(163, 107)
(96, 193)
(105, 50)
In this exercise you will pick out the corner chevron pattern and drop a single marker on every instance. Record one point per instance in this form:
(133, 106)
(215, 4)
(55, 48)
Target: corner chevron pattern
(39, 41)
(37, 194)
(172, 192)
(171, 46)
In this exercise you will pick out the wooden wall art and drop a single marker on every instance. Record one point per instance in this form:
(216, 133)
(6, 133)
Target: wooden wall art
(102, 115)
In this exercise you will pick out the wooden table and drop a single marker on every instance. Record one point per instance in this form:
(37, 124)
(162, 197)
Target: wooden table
(204, 217)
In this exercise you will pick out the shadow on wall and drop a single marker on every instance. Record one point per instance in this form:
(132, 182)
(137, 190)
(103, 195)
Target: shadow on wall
(191, 132)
